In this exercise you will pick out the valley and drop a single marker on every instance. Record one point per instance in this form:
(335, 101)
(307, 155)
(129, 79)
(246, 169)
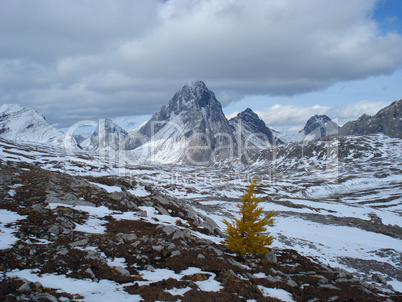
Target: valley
(345, 216)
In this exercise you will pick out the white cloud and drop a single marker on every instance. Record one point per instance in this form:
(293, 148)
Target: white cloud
(355, 110)
(293, 118)
(279, 115)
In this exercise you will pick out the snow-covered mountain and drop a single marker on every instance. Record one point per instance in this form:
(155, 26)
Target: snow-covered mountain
(388, 121)
(251, 132)
(107, 135)
(24, 124)
(319, 126)
(192, 128)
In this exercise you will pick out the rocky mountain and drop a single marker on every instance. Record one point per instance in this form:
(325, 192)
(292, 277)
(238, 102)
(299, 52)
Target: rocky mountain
(319, 126)
(107, 135)
(252, 130)
(19, 123)
(192, 128)
(388, 121)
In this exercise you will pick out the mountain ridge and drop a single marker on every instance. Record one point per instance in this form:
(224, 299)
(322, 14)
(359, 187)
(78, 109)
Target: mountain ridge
(388, 120)
(19, 123)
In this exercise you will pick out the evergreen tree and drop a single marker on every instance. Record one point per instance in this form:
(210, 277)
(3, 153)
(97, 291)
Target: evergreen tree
(247, 235)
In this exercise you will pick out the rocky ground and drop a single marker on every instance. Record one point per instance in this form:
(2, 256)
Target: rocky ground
(145, 247)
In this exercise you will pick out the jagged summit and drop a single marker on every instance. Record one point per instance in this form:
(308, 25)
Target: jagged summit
(319, 126)
(107, 134)
(388, 121)
(253, 130)
(191, 128)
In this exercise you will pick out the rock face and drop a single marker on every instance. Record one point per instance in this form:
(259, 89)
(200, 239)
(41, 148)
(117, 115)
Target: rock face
(192, 128)
(319, 126)
(252, 131)
(24, 124)
(107, 134)
(388, 121)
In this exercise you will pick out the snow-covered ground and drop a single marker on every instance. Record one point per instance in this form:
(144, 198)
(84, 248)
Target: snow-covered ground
(354, 214)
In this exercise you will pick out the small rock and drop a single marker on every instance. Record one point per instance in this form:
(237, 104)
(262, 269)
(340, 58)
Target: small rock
(149, 268)
(273, 279)
(141, 213)
(117, 196)
(175, 253)
(181, 234)
(129, 237)
(122, 271)
(37, 284)
(157, 248)
(323, 280)
(54, 229)
(39, 208)
(201, 256)
(269, 258)
(50, 297)
(217, 251)
(379, 278)
(291, 283)
(135, 244)
(25, 288)
(79, 243)
(389, 286)
(171, 246)
(329, 286)
(234, 262)
(94, 255)
(90, 273)
(63, 251)
(218, 232)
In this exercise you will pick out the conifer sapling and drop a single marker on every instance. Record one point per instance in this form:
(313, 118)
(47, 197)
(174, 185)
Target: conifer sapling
(247, 235)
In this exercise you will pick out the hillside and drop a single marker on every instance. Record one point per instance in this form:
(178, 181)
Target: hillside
(74, 227)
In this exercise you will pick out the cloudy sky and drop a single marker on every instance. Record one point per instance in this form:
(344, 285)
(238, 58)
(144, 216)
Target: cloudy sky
(286, 59)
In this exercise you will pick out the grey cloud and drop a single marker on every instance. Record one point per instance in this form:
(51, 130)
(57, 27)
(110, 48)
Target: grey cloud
(75, 60)
(43, 30)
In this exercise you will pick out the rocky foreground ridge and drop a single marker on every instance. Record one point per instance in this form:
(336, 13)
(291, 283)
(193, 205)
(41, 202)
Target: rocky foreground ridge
(141, 245)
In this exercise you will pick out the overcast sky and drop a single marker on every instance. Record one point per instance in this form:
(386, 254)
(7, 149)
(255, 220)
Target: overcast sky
(286, 59)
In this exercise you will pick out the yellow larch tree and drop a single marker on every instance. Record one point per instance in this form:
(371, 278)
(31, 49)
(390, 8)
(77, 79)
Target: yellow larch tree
(247, 235)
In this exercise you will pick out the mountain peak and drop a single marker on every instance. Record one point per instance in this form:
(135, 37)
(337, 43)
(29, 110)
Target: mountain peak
(319, 126)
(11, 109)
(196, 84)
(196, 91)
(249, 113)
(388, 121)
(193, 120)
(18, 123)
(254, 132)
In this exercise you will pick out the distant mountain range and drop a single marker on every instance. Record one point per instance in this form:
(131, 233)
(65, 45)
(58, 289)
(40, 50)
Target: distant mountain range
(190, 129)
